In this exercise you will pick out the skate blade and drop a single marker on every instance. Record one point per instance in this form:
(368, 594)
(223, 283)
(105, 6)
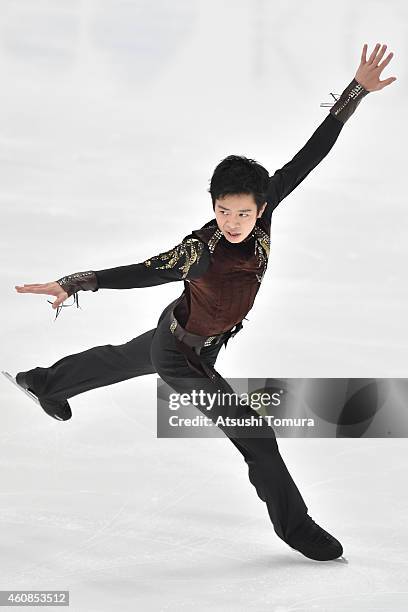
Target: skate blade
(341, 559)
(26, 391)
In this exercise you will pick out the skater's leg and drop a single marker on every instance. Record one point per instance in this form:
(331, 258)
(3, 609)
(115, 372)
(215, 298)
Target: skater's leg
(267, 470)
(96, 367)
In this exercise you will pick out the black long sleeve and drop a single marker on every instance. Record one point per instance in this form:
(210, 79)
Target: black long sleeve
(189, 259)
(284, 181)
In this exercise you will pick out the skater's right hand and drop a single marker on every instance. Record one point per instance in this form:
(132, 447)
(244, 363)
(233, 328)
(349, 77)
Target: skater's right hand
(52, 288)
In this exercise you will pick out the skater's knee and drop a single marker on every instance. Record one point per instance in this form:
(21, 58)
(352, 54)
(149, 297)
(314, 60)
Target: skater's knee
(169, 367)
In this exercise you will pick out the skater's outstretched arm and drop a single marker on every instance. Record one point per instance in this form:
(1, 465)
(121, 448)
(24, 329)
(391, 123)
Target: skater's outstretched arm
(366, 79)
(189, 259)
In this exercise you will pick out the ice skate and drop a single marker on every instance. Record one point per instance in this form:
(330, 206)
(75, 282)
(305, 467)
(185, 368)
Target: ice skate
(314, 542)
(59, 410)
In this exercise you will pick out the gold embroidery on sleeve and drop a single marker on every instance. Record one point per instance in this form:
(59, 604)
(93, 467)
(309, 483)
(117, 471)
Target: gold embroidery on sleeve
(184, 255)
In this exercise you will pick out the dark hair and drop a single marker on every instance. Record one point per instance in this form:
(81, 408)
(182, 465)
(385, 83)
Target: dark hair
(237, 174)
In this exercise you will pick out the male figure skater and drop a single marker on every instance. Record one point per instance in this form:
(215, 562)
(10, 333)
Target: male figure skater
(222, 266)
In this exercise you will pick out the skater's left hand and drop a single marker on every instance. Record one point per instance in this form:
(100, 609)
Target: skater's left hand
(368, 73)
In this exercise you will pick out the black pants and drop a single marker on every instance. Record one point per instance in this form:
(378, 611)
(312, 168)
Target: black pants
(155, 351)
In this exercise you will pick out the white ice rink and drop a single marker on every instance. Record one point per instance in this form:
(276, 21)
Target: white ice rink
(114, 115)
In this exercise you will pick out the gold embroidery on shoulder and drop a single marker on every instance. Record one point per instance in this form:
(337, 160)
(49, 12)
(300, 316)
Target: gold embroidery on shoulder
(263, 239)
(213, 241)
(184, 255)
(262, 250)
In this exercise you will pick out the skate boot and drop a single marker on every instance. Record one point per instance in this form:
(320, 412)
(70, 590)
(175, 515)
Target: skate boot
(56, 409)
(314, 542)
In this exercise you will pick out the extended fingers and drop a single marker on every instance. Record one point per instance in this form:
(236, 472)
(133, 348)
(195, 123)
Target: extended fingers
(374, 53)
(28, 289)
(32, 288)
(30, 285)
(378, 54)
(386, 61)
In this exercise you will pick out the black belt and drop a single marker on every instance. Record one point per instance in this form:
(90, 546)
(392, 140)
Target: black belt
(191, 344)
(193, 340)
(196, 341)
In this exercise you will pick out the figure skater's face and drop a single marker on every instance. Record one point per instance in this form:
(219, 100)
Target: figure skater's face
(236, 216)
